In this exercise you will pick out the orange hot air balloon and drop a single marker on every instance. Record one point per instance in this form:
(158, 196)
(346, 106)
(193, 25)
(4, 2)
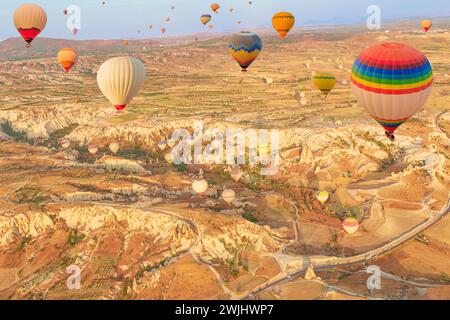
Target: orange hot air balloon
(163, 30)
(215, 7)
(30, 20)
(283, 23)
(67, 58)
(426, 25)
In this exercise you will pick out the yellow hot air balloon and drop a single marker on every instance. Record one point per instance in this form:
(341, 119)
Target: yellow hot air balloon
(324, 81)
(65, 144)
(114, 147)
(228, 196)
(215, 7)
(205, 19)
(125, 43)
(162, 145)
(323, 197)
(169, 157)
(245, 47)
(200, 187)
(426, 25)
(93, 149)
(67, 58)
(30, 20)
(283, 23)
(350, 225)
(210, 26)
(171, 143)
(120, 79)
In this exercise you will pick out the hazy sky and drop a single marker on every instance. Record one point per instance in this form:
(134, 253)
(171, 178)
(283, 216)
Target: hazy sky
(123, 18)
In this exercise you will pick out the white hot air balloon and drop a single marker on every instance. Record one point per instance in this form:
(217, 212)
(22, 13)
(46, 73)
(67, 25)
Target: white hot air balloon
(200, 187)
(323, 197)
(114, 147)
(120, 79)
(228, 196)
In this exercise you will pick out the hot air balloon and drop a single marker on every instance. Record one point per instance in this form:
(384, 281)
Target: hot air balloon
(245, 47)
(93, 149)
(350, 225)
(120, 79)
(150, 27)
(283, 23)
(169, 157)
(238, 22)
(215, 7)
(323, 196)
(66, 12)
(67, 57)
(210, 26)
(392, 81)
(228, 196)
(74, 32)
(172, 7)
(65, 144)
(236, 173)
(30, 20)
(171, 143)
(200, 187)
(162, 145)
(114, 147)
(125, 43)
(426, 25)
(205, 19)
(324, 81)
(167, 19)
(163, 30)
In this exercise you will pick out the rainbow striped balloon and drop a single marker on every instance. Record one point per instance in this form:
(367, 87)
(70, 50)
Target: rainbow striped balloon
(392, 81)
(245, 47)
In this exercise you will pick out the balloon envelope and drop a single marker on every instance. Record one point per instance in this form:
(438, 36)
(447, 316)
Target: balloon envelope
(200, 186)
(283, 23)
(114, 147)
(323, 197)
(245, 47)
(205, 19)
(30, 20)
(228, 196)
(426, 25)
(324, 81)
(67, 58)
(392, 81)
(215, 7)
(350, 225)
(120, 79)
(92, 149)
